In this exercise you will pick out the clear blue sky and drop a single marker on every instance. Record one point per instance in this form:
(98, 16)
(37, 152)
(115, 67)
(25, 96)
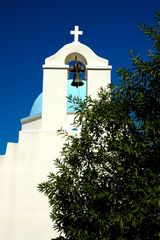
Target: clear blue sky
(32, 30)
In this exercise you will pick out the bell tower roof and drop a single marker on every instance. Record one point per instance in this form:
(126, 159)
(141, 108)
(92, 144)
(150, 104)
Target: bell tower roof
(76, 48)
(67, 53)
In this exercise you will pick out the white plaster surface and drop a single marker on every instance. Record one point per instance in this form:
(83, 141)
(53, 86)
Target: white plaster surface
(24, 212)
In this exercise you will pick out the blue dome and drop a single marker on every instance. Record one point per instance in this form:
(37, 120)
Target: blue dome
(37, 106)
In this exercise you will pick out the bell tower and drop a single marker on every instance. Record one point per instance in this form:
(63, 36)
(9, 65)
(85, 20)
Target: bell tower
(75, 69)
(56, 70)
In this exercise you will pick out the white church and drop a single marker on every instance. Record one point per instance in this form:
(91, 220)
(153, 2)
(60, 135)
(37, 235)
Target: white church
(24, 212)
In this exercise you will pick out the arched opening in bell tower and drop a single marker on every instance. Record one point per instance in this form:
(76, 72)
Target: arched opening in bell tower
(77, 79)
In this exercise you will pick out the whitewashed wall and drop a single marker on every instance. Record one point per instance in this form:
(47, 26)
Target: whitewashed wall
(24, 212)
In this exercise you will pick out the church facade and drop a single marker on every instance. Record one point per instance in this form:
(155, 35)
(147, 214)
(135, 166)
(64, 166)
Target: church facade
(24, 211)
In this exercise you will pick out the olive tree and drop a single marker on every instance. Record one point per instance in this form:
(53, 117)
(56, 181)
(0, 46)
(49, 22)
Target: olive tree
(108, 180)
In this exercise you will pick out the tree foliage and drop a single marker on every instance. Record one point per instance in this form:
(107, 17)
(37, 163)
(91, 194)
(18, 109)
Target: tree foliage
(108, 180)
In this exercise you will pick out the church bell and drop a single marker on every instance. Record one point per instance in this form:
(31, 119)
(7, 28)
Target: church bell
(77, 81)
(77, 69)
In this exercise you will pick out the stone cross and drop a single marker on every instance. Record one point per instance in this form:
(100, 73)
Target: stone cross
(76, 33)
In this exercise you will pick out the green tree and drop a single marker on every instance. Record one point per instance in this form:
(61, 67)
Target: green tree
(108, 180)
